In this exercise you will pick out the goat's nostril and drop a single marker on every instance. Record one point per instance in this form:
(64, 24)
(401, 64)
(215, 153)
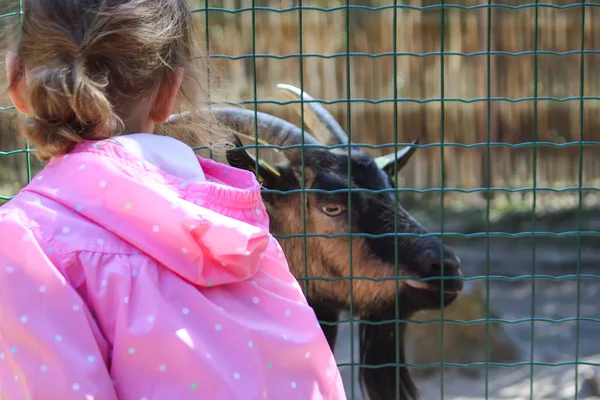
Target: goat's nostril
(450, 264)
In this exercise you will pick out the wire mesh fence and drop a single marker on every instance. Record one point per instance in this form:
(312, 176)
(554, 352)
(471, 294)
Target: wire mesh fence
(504, 99)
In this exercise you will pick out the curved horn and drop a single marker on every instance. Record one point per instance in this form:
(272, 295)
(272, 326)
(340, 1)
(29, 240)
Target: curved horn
(318, 119)
(273, 130)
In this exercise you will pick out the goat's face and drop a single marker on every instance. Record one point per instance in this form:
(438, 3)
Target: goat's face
(331, 214)
(384, 235)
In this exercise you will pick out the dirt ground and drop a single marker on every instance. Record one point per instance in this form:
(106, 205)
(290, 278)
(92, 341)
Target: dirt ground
(554, 342)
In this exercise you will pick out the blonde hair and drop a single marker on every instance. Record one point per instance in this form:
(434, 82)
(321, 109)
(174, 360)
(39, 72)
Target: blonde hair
(88, 61)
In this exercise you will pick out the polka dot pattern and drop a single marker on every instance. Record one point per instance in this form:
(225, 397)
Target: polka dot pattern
(181, 278)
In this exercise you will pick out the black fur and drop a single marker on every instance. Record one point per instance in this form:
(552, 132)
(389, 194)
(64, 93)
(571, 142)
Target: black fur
(329, 314)
(378, 346)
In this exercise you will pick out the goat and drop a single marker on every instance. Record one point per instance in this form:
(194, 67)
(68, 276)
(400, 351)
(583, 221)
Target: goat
(381, 260)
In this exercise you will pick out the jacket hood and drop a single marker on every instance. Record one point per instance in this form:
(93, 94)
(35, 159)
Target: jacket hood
(177, 222)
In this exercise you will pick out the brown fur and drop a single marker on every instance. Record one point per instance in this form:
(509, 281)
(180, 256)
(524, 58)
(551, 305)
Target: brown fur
(328, 259)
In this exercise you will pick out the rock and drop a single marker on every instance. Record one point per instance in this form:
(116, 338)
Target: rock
(463, 343)
(590, 385)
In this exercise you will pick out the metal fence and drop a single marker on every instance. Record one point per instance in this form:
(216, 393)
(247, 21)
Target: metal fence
(381, 110)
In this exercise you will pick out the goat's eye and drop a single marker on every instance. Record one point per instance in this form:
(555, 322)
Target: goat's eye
(333, 210)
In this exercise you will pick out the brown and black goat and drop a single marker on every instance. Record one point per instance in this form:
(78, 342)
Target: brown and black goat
(370, 264)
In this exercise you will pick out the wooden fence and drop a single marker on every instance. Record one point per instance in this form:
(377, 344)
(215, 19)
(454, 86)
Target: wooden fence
(417, 76)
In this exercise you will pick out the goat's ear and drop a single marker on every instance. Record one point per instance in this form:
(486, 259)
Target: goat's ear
(240, 158)
(400, 158)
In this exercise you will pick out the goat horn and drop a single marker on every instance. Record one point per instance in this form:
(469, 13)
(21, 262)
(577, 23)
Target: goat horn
(272, 130)
(318, 119)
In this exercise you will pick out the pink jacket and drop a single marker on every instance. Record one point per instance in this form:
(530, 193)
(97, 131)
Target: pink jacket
(119, 280)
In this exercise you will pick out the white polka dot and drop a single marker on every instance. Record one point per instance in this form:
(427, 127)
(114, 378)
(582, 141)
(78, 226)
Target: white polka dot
(257, 211)
(76, 387)
(225, 171)
(255, 300)
(155, 228)
(10, 270)
(100, 241)
(218, 327)
(236, 375)
(288, 313)
(199, 202)
(294, 385)
(184, 250)
(39, 178)
(13, 349)
(16, 377)
(150, 318)
(42, 288)
(76, 307)
(82, 167)
(328, 374)
(208, 356)
(102, 184)
(250, 344)
(43, 368)
(134, 272)
(49, 250)
(79, 207)
(162, 367)
(221, 309)
(37, 202)
(24, 319)
(66, 230)
(128, 206)
(126, 299)
(131, 350)
(254, 282)
(26, 238)
(58, 338)
(90, 358)
(143, 398)
(182, 185)
(318, 325)
(307, 355)
(104, 282)
(185, 310)
(223, 263)
(2, 356)
(174, 205)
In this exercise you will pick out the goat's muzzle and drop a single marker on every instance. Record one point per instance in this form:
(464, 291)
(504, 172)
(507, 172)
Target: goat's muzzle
(437, 271)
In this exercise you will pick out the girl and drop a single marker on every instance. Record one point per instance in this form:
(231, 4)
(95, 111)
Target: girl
(130, 268)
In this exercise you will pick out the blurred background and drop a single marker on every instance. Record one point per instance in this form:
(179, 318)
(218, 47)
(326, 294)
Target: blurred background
(465, 75)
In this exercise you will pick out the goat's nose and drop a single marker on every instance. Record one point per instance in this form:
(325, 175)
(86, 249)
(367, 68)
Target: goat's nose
(445, 260)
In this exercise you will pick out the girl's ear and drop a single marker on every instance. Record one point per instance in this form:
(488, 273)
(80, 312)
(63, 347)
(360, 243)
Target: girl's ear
(17, 82)
(166, 96)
